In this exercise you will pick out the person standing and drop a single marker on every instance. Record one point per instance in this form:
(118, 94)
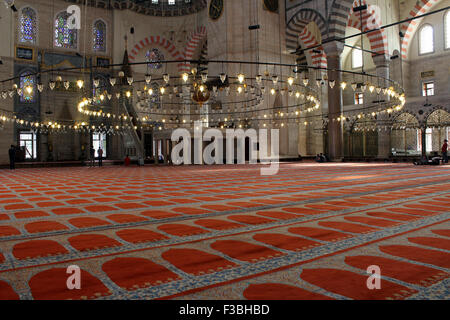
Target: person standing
(100, 157)
(92, 155)
(12, 157)
(444, 151)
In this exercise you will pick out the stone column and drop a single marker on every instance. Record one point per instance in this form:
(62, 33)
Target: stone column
(423, 136)
(164, 150)
(333, 51)
(156, 151)
(384, 136)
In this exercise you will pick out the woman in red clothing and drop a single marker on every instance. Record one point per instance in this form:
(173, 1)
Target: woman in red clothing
(127, 161)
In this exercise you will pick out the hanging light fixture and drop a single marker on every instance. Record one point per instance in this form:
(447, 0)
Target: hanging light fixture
(241, 78)
(166, 77)
(332, 83)
(223, 77)
(275, 79)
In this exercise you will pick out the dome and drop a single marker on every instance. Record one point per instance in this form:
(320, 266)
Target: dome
(159, 8)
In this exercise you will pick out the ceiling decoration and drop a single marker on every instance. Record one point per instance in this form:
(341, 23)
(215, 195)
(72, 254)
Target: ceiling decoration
(147, 7)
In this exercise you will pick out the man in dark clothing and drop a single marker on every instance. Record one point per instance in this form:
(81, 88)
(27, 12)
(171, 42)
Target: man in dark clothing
(12, 157)
(100, 157)
(92, 155)
(444, 151)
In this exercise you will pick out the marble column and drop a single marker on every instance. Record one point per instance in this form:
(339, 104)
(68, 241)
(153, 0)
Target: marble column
(164, 150)
(333, 51)
(384, 136)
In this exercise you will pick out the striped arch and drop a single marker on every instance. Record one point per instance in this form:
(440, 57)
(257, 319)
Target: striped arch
(309, 40)
(371, 19)
(191, 47)
(409, 28)
(297, 25)
(340, 11)
(159, 41)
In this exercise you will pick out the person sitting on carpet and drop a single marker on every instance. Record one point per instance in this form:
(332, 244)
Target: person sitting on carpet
(320, 158)
(436, 160)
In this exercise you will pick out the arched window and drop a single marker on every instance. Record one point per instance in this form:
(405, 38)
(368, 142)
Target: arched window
(27, 26)
(27, 85)
(154, 58)
(64, 37)
(357, 58)
(99, 36)
(426, 39)
(447, 29)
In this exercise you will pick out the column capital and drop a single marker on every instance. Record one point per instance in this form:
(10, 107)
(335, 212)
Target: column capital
(381, 61)
(334, 48)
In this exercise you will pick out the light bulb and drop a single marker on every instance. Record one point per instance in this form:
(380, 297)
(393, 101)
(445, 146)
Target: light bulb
(148, 78)
(272, 91)
(343, 85)
(130, 80)
(305, 82)
(162, 90)
(128, 94)
(204, 77)
(223, 77)
(290, 81)
(275, 79)
(29, 89)
(241, 78)
(259, 79)
(150, 92)
(185, 77)
(112, 81)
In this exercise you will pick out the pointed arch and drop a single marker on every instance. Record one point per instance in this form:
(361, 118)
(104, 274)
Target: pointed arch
(193, 44)
(297, 24)
(409, 28)
(371, 20)
(156, 40)
(337, 22)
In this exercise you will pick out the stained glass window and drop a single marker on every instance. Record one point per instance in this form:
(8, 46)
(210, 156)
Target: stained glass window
(154, 58)
(99, 36)
(27, 85)
(28, 26)
(64, 37)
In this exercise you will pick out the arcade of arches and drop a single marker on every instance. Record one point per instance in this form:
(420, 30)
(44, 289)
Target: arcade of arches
(366, 83)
